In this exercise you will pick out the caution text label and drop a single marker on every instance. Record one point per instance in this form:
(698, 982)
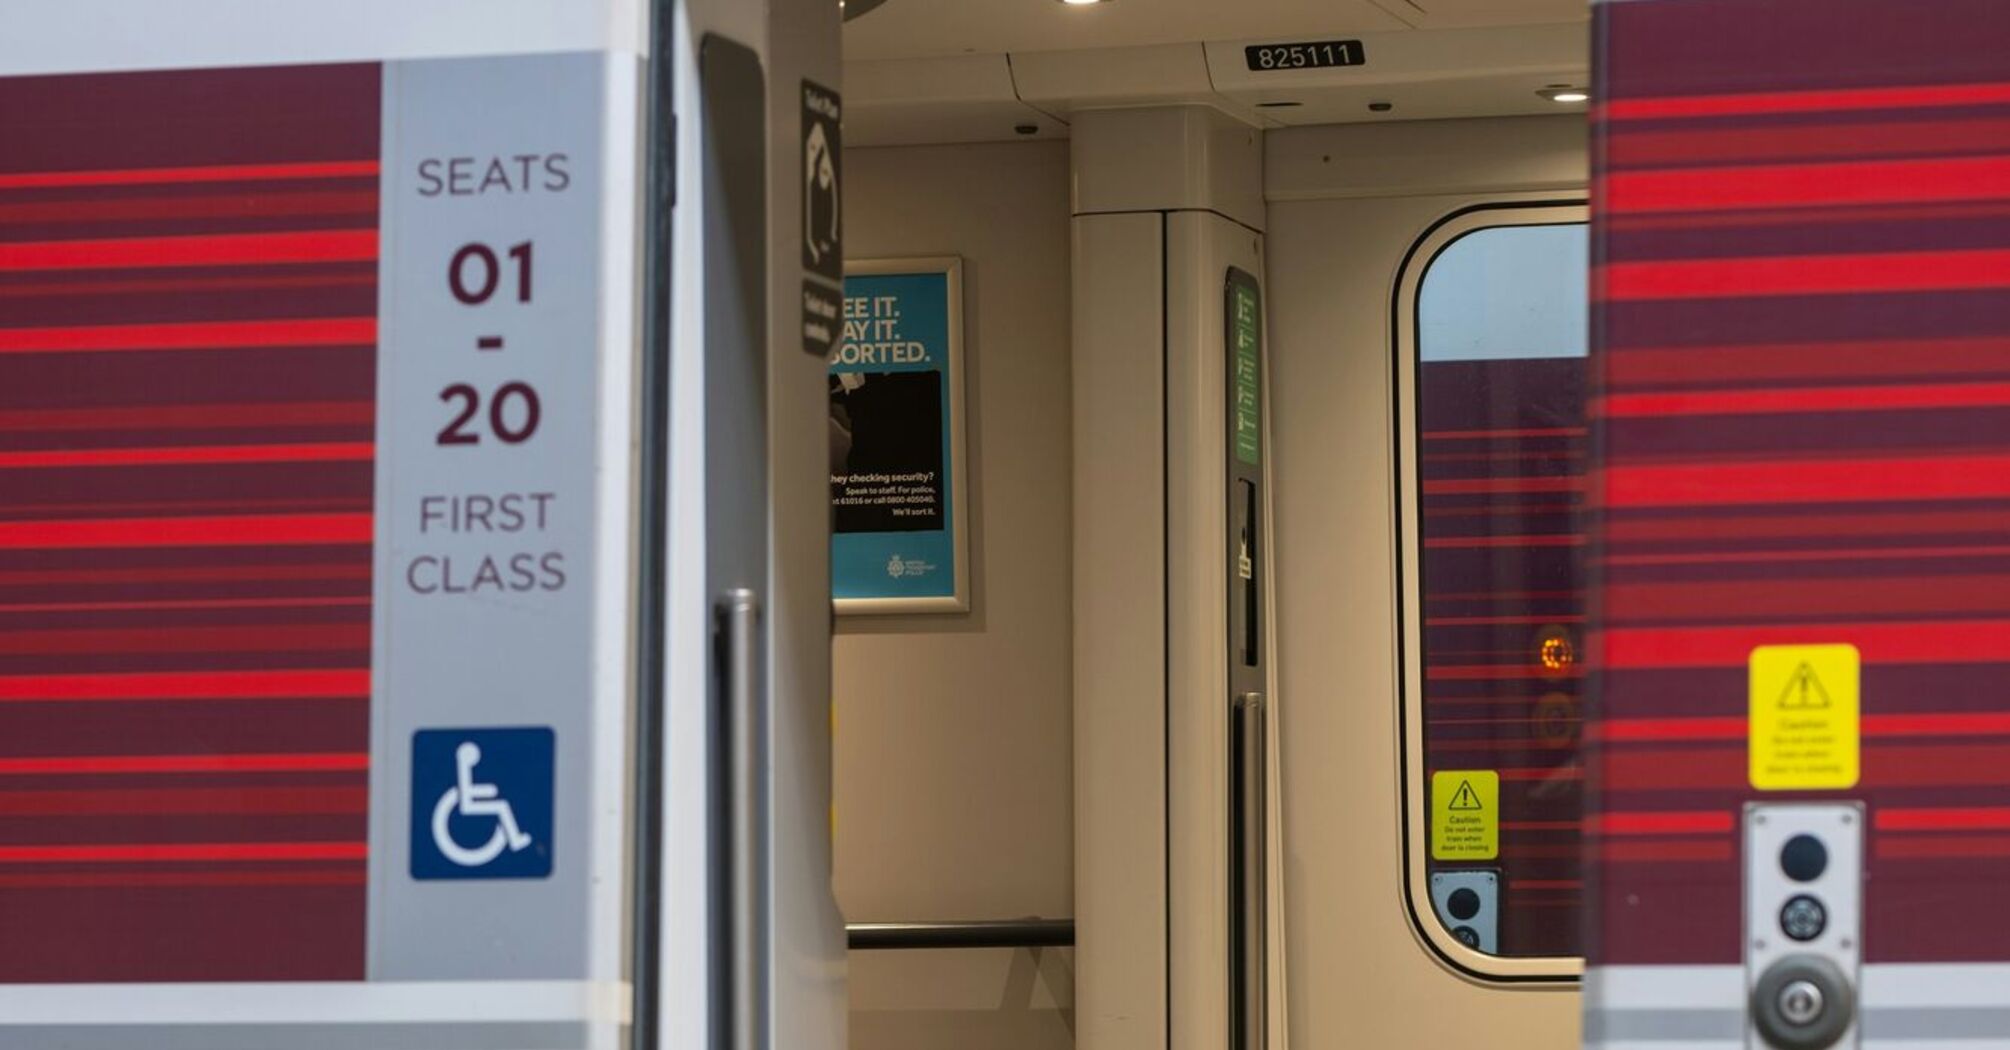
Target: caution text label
(1804, 717)
(1465, 814)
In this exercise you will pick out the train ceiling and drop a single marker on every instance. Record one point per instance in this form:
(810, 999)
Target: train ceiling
(945, 71)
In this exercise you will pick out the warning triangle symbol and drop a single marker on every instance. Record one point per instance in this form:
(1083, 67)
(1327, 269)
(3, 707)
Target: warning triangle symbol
(1804, 691)
(1465, 800)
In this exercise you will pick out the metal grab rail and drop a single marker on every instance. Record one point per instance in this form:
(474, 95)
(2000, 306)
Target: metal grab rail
(1006, 933)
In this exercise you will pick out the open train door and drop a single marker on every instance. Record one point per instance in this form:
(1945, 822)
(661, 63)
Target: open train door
(1801, 624)
(412, 581)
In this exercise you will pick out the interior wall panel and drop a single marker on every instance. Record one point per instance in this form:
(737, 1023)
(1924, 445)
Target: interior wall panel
(1359, 974)
(953, 731)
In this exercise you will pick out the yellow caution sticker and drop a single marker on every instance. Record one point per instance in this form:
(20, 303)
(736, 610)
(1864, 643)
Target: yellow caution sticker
(1804, 717)
(1465, 814)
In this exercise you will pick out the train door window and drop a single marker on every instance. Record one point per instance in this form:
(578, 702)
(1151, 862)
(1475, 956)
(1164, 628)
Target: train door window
(1491, 337)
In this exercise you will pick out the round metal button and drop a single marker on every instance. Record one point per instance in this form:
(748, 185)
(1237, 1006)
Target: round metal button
(1803, 918)
(1801, 1003)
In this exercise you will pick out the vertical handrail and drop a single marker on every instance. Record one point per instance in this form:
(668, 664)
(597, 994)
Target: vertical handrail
(1252, 945)
(747, 729)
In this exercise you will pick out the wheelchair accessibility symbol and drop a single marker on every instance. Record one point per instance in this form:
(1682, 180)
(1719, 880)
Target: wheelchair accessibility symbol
(482, 803)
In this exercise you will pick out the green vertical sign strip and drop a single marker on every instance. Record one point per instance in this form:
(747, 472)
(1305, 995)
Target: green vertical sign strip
(1245, 332)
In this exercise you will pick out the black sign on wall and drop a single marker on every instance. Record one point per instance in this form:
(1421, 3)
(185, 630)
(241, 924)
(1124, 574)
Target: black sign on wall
(823, 220)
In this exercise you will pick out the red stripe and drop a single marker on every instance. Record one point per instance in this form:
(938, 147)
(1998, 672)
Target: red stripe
(66, 880)
(1549, 851)
(1457, 621)
(1502, 509)
(1505, 744)
(209, 173)
(208, 282)
(1878, 479)
(1780, 275)
(1467, 486)
(341, 451)
(1805, 185)
(152, 852)
(1938, 765)
(1567, 539)
(185, 801)
(188, 603)
(223, 249)
(1758, 218)
(187, 685)
(1898, 522)
(1935, 641)
(1942, 847)
(1951, 724)
(1450, 435)
(1672, 769)
(206, 417)
(358, 570)
(1545, 884)
(1837, 100)
(1877, 726)
(1463, 672)
(1634, 729)
(94, 765)
(1982, 818)
(1697, 822)
(1882, 596)
(1630, 852)
(1641, 148)
(1519, 455)
(1543, 773)
(1886, 765)
(1825, 361)
(319, 637)
(1803, 399)
(1822, 554)
(242, 504)
(231, 206)
(200, 335)
(247, 530)
(1918, 642)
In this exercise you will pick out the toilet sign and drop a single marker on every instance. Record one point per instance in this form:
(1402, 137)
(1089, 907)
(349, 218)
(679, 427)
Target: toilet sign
(1804, 717)
(1465, 814)
(823, 241)
(823, 220)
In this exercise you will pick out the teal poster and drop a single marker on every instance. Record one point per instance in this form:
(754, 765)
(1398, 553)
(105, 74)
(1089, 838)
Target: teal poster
(895, 446)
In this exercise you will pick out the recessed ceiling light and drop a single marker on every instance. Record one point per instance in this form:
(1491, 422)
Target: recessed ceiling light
(1565, 93)
(1083, 3)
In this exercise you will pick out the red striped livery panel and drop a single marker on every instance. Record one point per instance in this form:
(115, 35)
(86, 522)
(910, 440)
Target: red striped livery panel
(1800, 405)
(188, 304)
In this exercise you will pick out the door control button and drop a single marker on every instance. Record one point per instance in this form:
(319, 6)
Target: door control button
(1463, 904)
(1804, 858)
(1801, 1003)
(1803, 918)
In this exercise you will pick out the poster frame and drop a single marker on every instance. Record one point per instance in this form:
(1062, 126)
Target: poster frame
(958, 601)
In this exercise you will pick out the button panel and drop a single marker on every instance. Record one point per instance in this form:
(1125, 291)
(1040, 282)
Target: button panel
(1803, 924)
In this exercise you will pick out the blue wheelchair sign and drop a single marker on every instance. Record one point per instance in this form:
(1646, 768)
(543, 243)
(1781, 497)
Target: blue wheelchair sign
(482, 803)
